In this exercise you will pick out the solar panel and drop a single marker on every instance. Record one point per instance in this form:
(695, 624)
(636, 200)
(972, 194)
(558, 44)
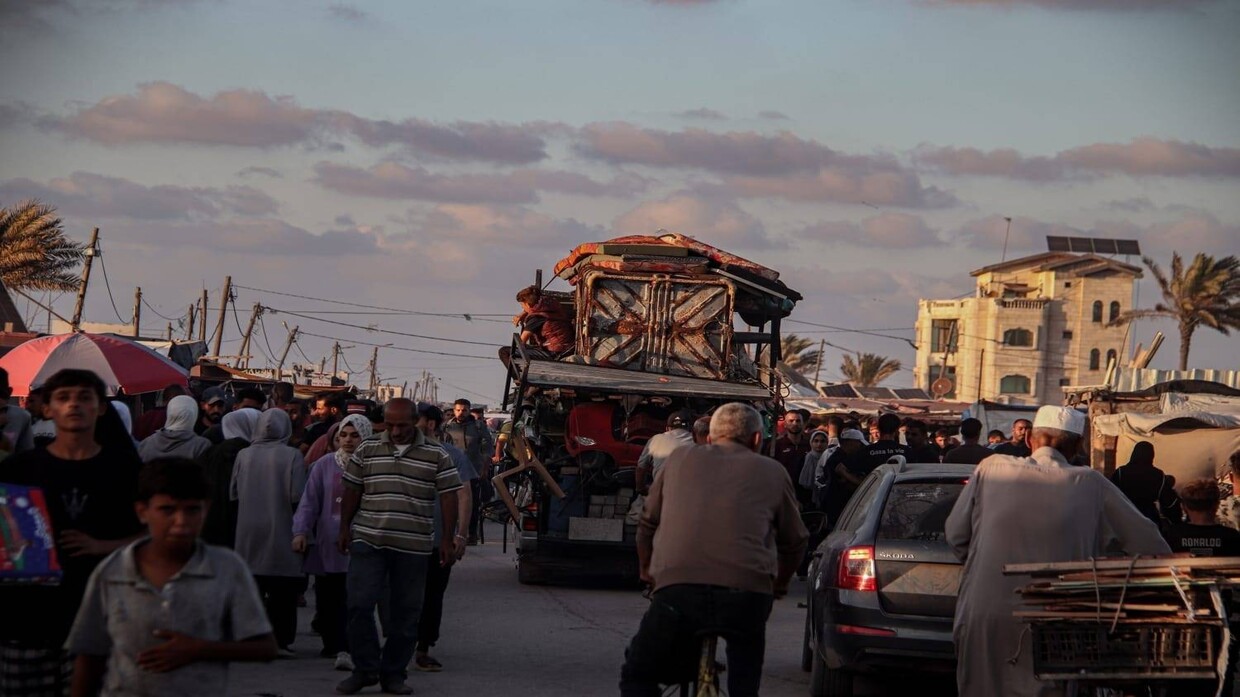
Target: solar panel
(1092, 245)
(841, 391)
(910, 393)
(876, 393)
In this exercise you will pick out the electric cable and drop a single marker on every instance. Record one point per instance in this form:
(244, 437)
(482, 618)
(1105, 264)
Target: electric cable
(382, 331)
(399, 348)
(468, 316)
(107, 284)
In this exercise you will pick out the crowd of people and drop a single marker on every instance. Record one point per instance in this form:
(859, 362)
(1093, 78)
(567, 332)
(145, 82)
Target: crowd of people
(240, 500)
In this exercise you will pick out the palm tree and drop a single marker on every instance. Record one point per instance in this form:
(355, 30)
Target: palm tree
(1207, 293)
(797, 353)
(868, 369)
(34, 252)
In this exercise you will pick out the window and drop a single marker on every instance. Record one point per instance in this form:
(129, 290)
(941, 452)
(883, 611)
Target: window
(943, 336)
(1114, 310)
(1097, 310)
(1067, 284)
(1068, 335)
(1014, 384)
(918, 510)
(859, 505)
(1095, 357)
(1064, 382)
(1018, 337)
(1111, 355)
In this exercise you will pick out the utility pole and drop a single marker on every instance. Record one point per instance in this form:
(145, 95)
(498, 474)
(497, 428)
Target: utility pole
(202, 317)
(92, 250)
(374, 371)
(137, 311)
(170, 331)
(243, 360)
(292, 337)
(335, 358)
(219, 327)
(191, 322)
(822, 346)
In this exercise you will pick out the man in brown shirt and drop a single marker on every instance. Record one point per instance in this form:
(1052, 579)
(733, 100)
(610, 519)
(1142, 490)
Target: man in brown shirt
(713, 571)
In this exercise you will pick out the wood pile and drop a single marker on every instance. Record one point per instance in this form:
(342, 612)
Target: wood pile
(1128, 619)
(1162, 590)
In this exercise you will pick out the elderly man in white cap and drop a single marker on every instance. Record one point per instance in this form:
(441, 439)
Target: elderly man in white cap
(1029, 509)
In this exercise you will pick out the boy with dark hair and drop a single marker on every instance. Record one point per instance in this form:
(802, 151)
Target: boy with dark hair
(250, 397)
(89, 489)
(166, 614)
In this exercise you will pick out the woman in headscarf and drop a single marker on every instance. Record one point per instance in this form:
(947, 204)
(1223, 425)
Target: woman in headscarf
(177, 437)
(315, 529)
(1150, 489)
(267, 483)
(220, 528)
(111, 432)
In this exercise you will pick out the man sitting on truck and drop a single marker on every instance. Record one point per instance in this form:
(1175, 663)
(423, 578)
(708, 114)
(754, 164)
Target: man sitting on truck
(711, 571)
(546, 330)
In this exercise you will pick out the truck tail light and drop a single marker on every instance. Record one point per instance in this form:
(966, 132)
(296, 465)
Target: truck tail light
(857, 570)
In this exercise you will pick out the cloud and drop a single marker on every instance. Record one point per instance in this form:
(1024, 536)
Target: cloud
(711, 219)
(1110, 5)
(902, 189)
(43, 15)
(396, 181)
(774, 115)
(1141, 157)
(505, 225)
(883, 231)
(161, 112)
(1136, 204)
(759, 165)
(704, 114)
(97, 195)
(263, 171)
(346, 13)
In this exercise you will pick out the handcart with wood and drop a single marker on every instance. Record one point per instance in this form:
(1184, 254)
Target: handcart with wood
(1156, 624)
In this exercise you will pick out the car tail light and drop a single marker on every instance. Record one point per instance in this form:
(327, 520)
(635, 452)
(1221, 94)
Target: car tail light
(529, 524)
(857, 570)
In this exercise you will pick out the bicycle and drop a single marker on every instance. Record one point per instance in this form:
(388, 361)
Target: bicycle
(706, 682)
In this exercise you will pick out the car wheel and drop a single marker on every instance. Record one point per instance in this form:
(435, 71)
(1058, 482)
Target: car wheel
(829, 682)
(807, 648)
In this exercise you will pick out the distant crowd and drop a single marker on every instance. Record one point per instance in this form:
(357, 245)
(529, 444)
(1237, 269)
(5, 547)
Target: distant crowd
(374, 503)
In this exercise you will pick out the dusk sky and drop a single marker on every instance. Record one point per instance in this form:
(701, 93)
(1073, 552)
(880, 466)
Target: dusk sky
(430, 156)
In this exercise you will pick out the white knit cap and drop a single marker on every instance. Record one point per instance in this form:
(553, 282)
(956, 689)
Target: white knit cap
(851, 434)
(1061, 418)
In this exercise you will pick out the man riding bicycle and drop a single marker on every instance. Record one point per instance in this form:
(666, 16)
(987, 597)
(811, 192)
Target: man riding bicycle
(720, 538)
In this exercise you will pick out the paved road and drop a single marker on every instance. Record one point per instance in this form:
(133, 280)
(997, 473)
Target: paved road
(502, 637)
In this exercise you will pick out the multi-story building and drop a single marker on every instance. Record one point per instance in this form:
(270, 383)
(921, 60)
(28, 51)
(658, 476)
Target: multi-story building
(1033, 325)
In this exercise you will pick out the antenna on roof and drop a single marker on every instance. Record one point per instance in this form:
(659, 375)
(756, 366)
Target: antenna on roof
(1005, 238)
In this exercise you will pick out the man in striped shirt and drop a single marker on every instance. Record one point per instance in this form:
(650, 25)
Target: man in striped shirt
(387, 526)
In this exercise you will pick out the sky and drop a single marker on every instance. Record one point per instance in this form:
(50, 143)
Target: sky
(428, 157)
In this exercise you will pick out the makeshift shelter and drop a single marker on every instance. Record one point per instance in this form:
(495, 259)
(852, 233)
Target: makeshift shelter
(1187, 444)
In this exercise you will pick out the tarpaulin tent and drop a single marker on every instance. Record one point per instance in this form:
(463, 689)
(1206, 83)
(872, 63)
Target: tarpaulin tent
(1187, 445)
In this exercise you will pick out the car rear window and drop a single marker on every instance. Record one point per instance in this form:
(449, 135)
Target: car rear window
(918, 510)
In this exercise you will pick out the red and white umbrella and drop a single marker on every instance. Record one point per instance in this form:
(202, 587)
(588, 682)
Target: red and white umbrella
(123, 365)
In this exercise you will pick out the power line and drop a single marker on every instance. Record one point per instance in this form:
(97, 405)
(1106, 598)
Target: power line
(382, 331)
(398, 348)
(158, 313)
(387, 313)
(468, 316)
(458, 388)
(108, 285)
(866, 332)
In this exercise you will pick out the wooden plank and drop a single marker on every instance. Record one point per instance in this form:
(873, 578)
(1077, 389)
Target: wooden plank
(1161, 562)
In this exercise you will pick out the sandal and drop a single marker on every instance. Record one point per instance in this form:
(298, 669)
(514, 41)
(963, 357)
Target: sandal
(427, 664)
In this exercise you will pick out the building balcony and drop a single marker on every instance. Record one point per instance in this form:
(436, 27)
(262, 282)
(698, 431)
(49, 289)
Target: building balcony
(1023, 303)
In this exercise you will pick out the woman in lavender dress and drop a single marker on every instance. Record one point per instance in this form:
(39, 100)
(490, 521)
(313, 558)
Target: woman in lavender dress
(315, 529)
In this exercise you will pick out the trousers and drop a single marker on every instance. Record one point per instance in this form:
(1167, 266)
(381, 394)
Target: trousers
(372, 572)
